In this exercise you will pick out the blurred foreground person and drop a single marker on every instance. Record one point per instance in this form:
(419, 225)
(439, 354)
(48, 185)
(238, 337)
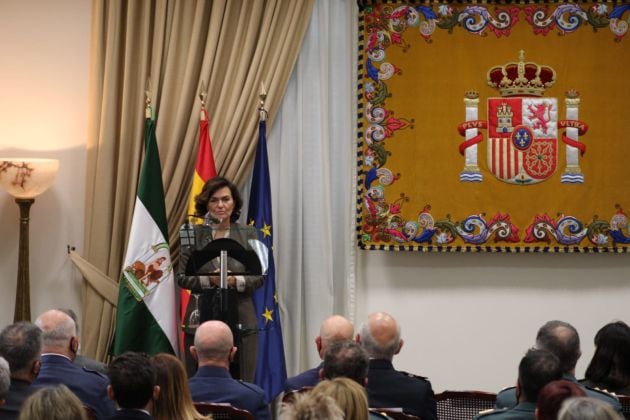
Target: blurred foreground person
(552, 396)
(53, 403)
(311, 406)
(584, 408)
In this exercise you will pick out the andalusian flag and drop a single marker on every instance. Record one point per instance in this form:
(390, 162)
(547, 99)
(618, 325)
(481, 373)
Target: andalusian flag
(204, 170)
(271, 371)
(146, 319)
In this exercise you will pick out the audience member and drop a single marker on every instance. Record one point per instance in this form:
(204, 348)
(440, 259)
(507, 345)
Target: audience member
(610, 366)
(5, 379)
(536, 369)
(174, 402)
(214, 350)
(311, 406)
(387, 387)
(53, 403)
(584, 408)
(552, 395)
(60, 345)
(349, 395)
(561, 339)
(334, 329)
(81, 360)
(346, 359)
(133, 386)
(21, 346)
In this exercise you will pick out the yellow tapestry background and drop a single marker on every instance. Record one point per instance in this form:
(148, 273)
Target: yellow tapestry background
(427, 92)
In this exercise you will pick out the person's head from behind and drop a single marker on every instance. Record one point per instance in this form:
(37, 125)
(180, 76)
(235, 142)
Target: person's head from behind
(584, 408)
(562, 339)
(5, 379)
(219, 193)
(214, 344)
(21, 346)
(380, 336)
(311, 406)
(611, 362)
(537, 369)
(53, 403)
(552, 395)
(346, 359)
(174, 400)
(334, 328)
(349, 395)
(132, 381)
(59, 333)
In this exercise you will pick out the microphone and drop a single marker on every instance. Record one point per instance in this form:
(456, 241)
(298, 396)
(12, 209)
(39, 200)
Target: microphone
(187, 233)
(209, 220)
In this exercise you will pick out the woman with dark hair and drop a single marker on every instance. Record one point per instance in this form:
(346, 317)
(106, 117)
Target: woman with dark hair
(552, 395)
(610, 366)
(219, 205)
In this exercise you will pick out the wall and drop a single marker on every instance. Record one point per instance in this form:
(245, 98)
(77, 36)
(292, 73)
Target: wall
(467, 319)
(43, 113)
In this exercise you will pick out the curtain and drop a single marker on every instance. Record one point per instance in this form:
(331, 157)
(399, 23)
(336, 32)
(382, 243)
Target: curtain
(232, 45)
(311, 157)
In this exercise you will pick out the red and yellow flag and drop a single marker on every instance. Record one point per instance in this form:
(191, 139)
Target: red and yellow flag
(204, 170)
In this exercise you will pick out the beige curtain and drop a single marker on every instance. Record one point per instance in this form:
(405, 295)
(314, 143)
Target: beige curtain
(232, 45)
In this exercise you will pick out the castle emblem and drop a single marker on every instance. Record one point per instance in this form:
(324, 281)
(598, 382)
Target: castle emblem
(522, 125)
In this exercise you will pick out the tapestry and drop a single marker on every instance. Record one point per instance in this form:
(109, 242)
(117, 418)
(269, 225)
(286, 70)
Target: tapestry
(493, 127)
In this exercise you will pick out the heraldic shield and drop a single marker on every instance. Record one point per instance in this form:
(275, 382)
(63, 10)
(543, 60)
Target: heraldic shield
(522, 143)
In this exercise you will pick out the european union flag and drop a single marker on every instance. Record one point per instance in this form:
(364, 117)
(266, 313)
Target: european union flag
(271, 371)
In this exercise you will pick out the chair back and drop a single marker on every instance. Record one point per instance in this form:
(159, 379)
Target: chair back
(463, 405)
(223, 411)
(625, 405)
(395, 414)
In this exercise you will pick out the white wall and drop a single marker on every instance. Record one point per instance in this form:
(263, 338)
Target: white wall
(467, 319)
(44, 72)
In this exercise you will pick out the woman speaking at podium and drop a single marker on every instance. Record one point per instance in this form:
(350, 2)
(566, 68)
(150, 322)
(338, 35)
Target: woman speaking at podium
(219, 204)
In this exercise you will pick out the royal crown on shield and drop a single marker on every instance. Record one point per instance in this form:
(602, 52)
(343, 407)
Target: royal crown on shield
(523, 124)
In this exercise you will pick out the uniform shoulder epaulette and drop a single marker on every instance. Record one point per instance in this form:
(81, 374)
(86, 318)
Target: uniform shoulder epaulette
(600, 390)
(251, 386)
(490, 412)
(95, 372)
(412, 375)
(507, 388)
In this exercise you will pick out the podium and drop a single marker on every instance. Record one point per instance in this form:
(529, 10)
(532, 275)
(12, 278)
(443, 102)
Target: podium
(221, 303)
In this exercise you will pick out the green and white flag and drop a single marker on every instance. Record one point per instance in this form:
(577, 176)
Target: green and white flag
(146, 318)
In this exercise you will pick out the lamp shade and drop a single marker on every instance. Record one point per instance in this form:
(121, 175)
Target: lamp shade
(27, 177)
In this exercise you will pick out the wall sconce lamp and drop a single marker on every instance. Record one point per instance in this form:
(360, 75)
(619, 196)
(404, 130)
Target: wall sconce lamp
(25, 179)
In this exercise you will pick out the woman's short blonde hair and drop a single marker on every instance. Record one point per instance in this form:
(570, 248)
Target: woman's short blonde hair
(349, 395)
(53, 403)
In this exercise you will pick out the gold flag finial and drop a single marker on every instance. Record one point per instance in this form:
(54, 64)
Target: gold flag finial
(263, 97)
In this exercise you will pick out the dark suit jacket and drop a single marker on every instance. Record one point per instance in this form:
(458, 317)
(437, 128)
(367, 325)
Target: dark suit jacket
(18, 392)
(304, 379)
(507, 397)
(214, 384)
(89, 386)
(389, 388)
(125, 414)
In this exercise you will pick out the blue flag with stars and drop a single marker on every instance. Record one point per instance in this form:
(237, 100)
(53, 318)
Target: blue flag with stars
(271, 371)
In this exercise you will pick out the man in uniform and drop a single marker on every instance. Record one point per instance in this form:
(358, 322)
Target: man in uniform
(60, 346)
(21, 346)
(537, 368)
(561, 339)
(214, 350)
(387, 387)
(334, 329)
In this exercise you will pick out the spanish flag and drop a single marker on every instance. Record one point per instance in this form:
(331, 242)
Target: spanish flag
(204, 170)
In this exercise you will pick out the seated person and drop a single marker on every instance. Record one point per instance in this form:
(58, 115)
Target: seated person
(610, 366)
(584, 408)
(53, 403)
(214, 350)
(551, 397)
(133, 386)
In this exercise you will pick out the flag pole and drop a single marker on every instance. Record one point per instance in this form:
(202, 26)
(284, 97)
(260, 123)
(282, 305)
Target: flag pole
(147, 99)
(202, 97)
(263, 114)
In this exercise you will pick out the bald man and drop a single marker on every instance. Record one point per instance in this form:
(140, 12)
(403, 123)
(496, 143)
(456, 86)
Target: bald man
(387, 387)
(214, 350)
(59, 349)
(334, 329)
